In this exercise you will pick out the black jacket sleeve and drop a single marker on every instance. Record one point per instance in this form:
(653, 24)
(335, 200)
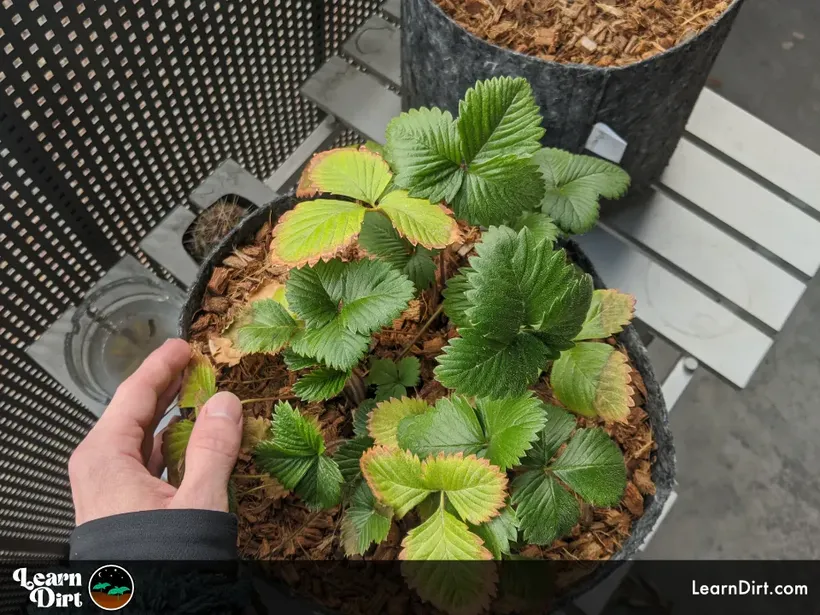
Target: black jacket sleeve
(157, 535)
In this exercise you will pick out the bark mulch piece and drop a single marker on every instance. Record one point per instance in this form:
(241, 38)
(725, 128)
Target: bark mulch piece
(595, 32)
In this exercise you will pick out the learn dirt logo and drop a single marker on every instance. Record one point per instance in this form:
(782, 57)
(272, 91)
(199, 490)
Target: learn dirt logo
(111, 587)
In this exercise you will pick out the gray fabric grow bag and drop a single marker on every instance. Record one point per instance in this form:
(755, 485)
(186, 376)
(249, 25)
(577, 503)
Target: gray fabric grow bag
(647, 103)
(663, 471)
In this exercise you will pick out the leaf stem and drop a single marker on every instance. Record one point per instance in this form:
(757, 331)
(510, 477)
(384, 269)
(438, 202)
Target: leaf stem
(277, 398)
(421, 331)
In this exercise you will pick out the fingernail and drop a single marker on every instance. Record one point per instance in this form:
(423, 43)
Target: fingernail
(224, 405)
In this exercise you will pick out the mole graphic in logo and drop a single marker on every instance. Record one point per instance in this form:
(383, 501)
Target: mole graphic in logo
(111, 587)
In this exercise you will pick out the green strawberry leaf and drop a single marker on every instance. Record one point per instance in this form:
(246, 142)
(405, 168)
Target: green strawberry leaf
(545, 509)
(499, 117)
(519, 284)
(362, 296)
(174, 444)
(498, 532)
(418, 220)
(380, 239)
(499, 189)
(315, 230)
(456, 303)
(559, 427)
(474, 488)
(295, 457)
(574, 185)
(385, 418)
(269, 330)
(593, 379)
(199, 383)
(295, 361)
(424, 149)
(366, 521)
(541, 227)
(608, 314)
(349, 454)
(451, 427)
(394, 476)
(361, 415)
(593, 466)
(440, 565)
(356, 173)
(409, 370)
(321, 384)
(333, 345)
(474, 365)
(511, 426)
(374, 147)
(392, 379)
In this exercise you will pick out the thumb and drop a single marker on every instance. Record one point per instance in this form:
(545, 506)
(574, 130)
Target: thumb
(211, 455)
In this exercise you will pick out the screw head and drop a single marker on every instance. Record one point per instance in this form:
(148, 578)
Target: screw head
(690, 364)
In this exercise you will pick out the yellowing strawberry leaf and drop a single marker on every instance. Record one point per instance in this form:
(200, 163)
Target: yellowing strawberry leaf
(440, 565)
(348, 455)
(593, 379)
(608, 314)
(451, 427)
(574, 184)
(174, 444)
(498, 532)
(295, 456)
(386, 416)
(321, 384)
(557, 430)
(499, 117)
(394, 477)
(379, 238)
(418, 220)
(199, 383)
(519, 284)
(541, 227)
(269, 329)
(475, 488)
(356, 173)
(423, 147)
(254, 430)
(315, 230)
(474, 365)
(366, 521)
(498, 189)
(593, 466)
(545, 510)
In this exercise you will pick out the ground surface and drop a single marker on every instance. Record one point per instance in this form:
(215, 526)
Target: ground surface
(748, 461)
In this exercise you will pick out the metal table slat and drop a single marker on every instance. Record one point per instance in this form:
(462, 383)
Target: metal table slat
(355, 98)
(164, 245)
(377, 45)
(745, 205)
(721, 262)
(757, 146)
(678, 312)
(393, 9)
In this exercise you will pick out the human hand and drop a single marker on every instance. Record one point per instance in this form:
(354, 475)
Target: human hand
(116, 468)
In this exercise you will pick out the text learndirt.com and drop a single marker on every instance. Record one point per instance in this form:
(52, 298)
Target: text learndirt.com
(748, 588)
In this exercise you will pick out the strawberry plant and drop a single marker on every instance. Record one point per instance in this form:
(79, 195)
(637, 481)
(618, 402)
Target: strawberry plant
(492, 465)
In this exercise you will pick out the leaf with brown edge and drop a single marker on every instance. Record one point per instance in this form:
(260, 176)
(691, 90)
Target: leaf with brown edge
(199, 383)
(608, 314)
(315, 230)
(384, 420)
(394, 477)
(360, 174)
(474, 487)
(254, 430)
(419, 221)
(223, 351)
(174, 444)
(593, 379)
(440, 562)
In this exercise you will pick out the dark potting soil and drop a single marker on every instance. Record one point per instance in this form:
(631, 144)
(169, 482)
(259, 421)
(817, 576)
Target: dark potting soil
(596, 32)
(275, 525)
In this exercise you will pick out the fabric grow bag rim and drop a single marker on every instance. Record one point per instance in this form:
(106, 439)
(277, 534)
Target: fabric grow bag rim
(663, 470)
(589, 67)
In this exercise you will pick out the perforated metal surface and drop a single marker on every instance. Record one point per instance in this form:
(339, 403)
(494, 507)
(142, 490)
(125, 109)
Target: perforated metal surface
(111, 111)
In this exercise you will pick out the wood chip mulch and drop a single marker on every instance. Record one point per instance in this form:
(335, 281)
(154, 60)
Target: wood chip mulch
(275, 525)
(596, 32)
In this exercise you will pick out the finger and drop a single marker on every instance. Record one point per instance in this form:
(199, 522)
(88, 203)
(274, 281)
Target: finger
(156, 459)
(211, 455)
(135, 402)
